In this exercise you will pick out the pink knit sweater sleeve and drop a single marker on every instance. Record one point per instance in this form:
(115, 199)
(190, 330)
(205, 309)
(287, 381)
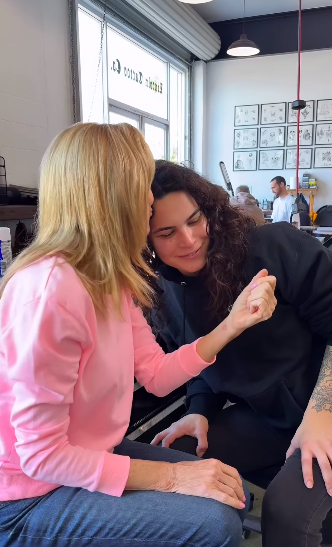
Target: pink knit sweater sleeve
(158, 372)
(43, 350)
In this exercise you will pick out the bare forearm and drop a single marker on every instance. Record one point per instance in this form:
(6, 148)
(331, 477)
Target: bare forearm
(321, 398)
(215, 341)
(149, 475)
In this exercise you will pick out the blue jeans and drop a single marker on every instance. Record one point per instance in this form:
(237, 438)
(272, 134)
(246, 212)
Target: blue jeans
(74, 517)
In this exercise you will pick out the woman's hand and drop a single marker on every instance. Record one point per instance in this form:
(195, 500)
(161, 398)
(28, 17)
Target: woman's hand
(256, 303)
(209, 479)
(194, 425)
(314, 438)
(202, 478)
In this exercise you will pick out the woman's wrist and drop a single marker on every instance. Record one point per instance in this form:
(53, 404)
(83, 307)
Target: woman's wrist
(208, 346)
(150, 475)
(233, 332)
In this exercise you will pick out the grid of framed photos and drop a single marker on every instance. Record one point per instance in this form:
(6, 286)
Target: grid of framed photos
(265, 136)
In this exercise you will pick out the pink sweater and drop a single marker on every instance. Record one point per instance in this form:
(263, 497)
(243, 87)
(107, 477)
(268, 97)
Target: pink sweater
(66, 383)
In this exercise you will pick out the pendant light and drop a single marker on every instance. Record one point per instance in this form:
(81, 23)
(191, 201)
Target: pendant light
(243, 47)
(195, 1)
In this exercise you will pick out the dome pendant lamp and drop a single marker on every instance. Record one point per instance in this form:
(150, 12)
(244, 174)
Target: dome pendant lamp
(243, 47)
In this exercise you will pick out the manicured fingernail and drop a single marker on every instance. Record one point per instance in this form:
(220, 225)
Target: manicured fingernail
(244, 499)
(253, 286)
(242, 506)
(330, 493)
(309, 484)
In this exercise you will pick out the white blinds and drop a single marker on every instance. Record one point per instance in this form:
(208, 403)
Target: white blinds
(182, 23)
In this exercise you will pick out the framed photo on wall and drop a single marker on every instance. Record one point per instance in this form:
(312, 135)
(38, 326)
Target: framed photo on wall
(323, 158)
(245, 161)
(270, 137)
(245, 138)
(273, 113)
(324, 110)
(305, 158)
(323, 133)
(306, 135)
(306, 115)
(271, 159)
(246, 115)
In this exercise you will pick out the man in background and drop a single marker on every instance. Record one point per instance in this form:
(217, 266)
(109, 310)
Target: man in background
(247, 203)
(282, 206)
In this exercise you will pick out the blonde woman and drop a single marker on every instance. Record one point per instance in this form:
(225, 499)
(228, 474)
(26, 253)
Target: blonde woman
(72, 339)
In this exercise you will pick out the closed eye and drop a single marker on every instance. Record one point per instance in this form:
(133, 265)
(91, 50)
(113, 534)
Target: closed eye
(165, 236)
(195, 220)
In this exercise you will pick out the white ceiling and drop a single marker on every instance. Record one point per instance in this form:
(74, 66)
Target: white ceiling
(220, 10)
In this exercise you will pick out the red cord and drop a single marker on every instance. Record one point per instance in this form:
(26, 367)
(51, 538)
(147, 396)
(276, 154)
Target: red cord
(298, 98)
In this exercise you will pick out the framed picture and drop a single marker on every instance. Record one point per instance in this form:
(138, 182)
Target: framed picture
(271, 159)
(273, 113)
(323, 157)
(305, 158)
(270, 137)
(246, 115)
(245, 161)
(245, 138)
(306, 115)
(323, 133)
(306, 135)
(324, 110)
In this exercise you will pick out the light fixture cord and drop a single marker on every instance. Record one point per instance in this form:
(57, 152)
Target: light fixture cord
(298, 98)
(244, 13)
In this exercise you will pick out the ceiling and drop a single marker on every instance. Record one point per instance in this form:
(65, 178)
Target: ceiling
(221, 10)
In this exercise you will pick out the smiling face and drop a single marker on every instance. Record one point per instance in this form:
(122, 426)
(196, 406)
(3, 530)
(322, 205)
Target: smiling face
(178, 233)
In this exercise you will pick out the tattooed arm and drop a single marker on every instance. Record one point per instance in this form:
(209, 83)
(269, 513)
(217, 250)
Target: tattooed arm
(321, 398)
(310, 292)
(314, 436)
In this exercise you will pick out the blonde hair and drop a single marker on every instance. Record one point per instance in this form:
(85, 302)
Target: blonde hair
(93, 206)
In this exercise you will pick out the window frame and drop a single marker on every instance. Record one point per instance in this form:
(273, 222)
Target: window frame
(164, 56)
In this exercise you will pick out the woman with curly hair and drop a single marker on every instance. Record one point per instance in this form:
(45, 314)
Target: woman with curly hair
(278, 373)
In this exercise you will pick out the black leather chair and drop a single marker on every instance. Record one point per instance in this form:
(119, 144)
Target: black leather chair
(324, 216)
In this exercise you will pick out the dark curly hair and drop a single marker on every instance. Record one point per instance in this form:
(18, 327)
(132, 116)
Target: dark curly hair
(228, 231)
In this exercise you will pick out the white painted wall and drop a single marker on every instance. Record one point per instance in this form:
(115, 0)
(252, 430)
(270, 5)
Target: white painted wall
(35, 91)
(261, 80)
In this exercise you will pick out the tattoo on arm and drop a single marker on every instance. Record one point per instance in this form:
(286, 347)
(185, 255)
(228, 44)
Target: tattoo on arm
(322, 394)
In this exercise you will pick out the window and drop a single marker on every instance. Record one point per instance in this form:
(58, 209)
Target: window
(123, 79)
(135, 77)
(156, 137)
(91, 78)
(117, 115)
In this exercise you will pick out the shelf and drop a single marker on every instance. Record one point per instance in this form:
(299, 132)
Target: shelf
(305, 191)
(17, 212)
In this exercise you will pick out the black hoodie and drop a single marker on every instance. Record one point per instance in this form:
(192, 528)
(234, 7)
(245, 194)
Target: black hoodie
(274, 365)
